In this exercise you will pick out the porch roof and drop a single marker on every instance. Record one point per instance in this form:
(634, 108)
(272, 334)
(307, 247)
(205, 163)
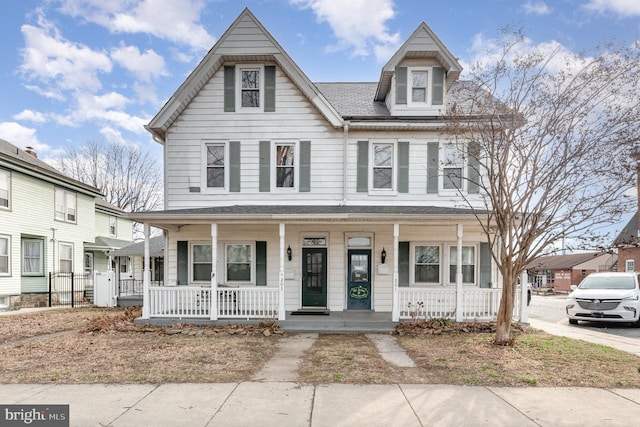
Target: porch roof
(269, 213)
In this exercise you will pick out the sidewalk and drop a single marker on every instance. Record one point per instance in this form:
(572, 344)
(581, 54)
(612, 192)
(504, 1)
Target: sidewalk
(291, 404)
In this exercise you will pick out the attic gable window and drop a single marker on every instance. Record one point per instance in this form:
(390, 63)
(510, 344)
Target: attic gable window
(419, 86)
(250, 89)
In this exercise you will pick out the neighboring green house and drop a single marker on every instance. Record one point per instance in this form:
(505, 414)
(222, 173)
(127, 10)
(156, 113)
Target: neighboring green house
(49, 223)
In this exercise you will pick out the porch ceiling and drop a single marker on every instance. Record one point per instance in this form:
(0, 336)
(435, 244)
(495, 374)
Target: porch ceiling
(305, 213)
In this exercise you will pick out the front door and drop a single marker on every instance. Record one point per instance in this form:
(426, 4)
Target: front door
(314, 277)
(359, 280)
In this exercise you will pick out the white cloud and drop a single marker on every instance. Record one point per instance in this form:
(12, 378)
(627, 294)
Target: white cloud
(112, 135)
(176, 21)
(144, 66)
(30, 116)
(58, 64)
(21, 136)
(621, 7)
(359, 25)
(536, 8)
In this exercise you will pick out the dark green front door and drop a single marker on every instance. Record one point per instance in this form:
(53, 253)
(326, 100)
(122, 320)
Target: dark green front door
(314, 277)
(359, 280)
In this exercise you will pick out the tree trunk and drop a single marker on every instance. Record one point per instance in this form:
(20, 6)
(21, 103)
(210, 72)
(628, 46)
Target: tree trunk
(505, 314)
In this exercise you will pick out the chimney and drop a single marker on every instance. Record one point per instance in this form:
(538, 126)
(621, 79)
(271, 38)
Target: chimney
(30, 152)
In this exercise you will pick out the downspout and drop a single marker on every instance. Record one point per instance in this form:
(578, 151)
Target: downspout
(345, 128)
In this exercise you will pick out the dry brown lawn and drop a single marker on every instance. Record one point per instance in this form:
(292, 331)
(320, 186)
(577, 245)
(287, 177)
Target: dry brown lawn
(103, 346)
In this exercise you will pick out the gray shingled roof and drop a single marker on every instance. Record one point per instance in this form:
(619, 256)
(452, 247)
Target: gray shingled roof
(629, 236)
(562, 262)
(156, 248)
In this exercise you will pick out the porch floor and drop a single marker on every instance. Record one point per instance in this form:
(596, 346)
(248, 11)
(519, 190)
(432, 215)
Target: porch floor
(336, 322)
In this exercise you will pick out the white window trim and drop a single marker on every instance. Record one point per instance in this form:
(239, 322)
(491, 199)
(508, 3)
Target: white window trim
(428, 95)
(296, 166)
(239, 69)
(113, 226)
(60, 259)
(442, 166)
(451, 262)
(252, 261)
(8, 255)
(412, 264)
(65, 193)
(394, 168)
(629, 265)
(40, 271)
(191, 261)
(204, 187)
(8, 178)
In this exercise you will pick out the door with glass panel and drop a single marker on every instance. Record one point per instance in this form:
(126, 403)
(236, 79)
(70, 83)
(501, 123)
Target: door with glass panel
(359, 280)
(314, 277)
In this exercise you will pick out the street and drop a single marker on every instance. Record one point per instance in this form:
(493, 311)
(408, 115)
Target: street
(551, 308)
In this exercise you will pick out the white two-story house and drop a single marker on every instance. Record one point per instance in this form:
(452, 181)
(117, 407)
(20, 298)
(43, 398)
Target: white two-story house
(50, 224)
(283, 195)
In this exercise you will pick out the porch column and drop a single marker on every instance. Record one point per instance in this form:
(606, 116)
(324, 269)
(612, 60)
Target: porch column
(524, 308)
(395, 310)
(459, 295)
(146, 275)
(281, 313)
(213, 309)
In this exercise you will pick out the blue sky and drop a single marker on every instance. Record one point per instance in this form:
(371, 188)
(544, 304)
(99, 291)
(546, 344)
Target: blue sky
(80, 70)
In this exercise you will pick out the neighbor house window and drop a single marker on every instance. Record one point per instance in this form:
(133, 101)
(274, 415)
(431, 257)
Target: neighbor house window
(419, 86)
(382, 166)
(65, 202)
(4, 255)
(239, 262)
(452, 167)
(285, 165)
(201, 263)
(215, 165)
(427, 264)
(250, 87)
(629, 265)
(468, 264)
(66, 257)
(5, 180)
(113, 226)
(32, 250)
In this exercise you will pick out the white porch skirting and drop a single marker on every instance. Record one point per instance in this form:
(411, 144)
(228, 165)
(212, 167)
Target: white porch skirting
(262, 303)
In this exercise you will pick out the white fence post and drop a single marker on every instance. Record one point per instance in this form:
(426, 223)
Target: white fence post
(524, 308)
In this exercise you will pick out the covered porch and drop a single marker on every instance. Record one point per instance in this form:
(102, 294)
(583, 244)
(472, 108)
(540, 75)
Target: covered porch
(281, 247)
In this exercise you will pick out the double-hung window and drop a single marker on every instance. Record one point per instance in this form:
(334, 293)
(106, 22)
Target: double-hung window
(468, 264)
(201, 263)
(5, 184)
(113, 226)
(419, 86)
(383, 163)
(32, 250)
(250, 84)
(65, 205)
(4, 256)
(427, 264)
(215, 158)
(285, 167)
(66, 257)
(239, 262)
(453, 167)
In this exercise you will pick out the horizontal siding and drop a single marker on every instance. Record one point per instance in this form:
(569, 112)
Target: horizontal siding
(38, 222)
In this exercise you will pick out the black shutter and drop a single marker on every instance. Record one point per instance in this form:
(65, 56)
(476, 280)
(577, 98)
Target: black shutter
(362, 185)
(437, 86)
(261, 263)
(403, 167)
(269, 88)
(305, 167)
(183, 262)
(432, 167)
(265, 166)
(485, 265)
(234, 166)
(403, 264)
(401, 85)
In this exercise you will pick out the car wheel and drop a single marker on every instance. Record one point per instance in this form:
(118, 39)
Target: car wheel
(573, 322)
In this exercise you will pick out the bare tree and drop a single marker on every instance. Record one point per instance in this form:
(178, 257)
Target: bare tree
(128, 177)
(550, 138)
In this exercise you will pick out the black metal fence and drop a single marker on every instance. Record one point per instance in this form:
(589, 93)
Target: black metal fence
(70, 289)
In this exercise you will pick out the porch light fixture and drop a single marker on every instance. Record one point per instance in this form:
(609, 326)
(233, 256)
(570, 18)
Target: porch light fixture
(289, 252)
(383, 255)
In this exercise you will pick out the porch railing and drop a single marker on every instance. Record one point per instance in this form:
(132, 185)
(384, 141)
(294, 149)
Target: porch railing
(238, 303)
(134, 287)
(430, 303)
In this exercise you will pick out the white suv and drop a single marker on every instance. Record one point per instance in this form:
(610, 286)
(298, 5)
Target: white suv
(605, 297)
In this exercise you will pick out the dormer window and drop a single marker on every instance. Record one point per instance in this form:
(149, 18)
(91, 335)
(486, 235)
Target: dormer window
(250, 88)
(419, 86)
